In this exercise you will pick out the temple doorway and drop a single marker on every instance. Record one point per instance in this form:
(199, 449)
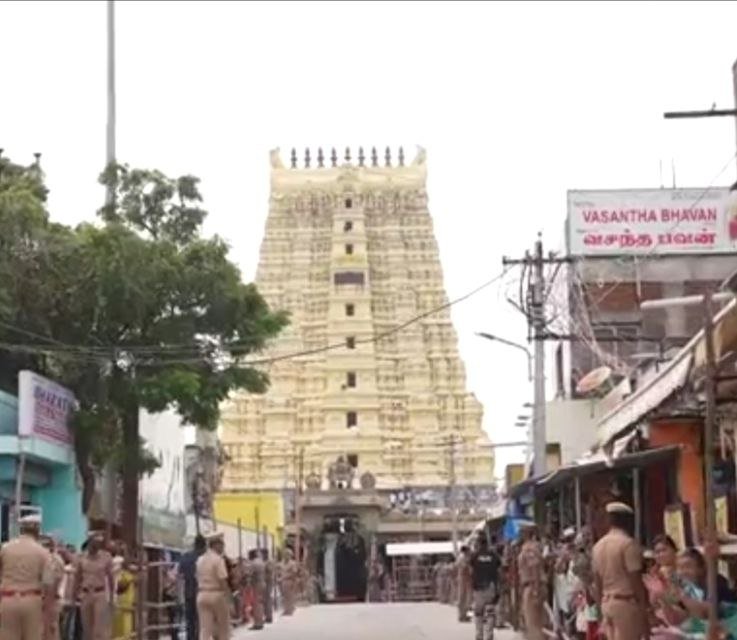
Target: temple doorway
(342, 564)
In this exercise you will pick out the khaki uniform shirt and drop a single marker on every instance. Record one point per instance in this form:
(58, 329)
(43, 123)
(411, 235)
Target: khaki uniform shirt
(212, 574)
(25, 565)
(530, 563)
(615, 556)
(463, 572)
(93, 571)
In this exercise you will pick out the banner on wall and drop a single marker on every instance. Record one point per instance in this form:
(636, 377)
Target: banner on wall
(44, 409)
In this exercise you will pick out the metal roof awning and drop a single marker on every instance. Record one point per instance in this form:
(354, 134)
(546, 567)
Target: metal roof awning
(600, 462)
(649, 397)
(673, 376)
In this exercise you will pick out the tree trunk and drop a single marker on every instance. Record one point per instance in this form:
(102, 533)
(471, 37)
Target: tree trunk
(130, 477)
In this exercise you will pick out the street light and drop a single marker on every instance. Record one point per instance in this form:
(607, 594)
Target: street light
(509, 343)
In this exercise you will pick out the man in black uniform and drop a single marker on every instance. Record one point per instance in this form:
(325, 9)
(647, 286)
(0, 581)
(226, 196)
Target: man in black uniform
(485, 564)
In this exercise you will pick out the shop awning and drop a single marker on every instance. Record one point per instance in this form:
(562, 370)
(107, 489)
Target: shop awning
(601, 461)
(650, 396)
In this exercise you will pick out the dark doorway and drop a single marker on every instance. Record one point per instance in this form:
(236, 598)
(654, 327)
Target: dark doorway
(350, 559)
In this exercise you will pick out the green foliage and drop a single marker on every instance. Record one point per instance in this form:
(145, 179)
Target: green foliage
(139, 312)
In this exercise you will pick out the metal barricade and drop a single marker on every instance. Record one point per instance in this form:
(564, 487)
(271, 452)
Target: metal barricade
(161, 610)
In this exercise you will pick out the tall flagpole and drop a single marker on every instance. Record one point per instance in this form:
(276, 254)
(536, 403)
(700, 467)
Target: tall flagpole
(110, 137)
(110, 201)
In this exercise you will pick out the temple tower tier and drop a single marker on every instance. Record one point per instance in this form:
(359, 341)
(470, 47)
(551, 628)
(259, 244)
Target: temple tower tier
(349, 251)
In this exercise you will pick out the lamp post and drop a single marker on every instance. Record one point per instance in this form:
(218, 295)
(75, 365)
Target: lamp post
(539, 439)
(509, 343)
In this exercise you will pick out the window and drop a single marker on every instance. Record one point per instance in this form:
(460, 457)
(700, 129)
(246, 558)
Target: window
(350, 379)
(350, 342)
(351, 419)
(348, 226)
(349, 277)
(352, 460)
(348, 203)
(349, 249)
(350, 309)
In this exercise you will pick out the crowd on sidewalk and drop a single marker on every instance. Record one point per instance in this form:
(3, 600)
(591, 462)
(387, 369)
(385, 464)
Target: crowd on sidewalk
(574, 587)
(52, 591)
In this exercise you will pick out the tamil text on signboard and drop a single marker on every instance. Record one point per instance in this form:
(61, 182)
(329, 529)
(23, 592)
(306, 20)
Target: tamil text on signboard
(44, 409)
(650, 221)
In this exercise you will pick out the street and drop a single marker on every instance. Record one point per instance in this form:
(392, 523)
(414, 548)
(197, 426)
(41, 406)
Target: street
(392, 621)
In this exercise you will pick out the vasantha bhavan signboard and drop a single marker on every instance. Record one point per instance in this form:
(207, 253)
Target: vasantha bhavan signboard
(650, 221)
(44, 408)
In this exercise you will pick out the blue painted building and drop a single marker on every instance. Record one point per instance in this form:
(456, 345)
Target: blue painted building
(49, 478)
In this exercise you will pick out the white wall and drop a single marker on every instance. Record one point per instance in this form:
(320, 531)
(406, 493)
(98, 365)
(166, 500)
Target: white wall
(165, 438)
(571, 423)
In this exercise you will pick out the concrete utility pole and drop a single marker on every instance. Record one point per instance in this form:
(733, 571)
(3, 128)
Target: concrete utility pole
(539, 438)
(452, 492)
(709, 429)
(536, 319)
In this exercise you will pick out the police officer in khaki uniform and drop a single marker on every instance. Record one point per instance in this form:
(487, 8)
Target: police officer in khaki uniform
(258, 585)
(269, 576)
(289, 582)
(94, 589)
(25, 579)
(463, 576)
(213, 591)
(530, 568)
(617, 564)
(53, 603)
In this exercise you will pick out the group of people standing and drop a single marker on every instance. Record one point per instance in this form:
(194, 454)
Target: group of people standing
(218, 589)
(50, 592)
(575, 588)
(473, 582)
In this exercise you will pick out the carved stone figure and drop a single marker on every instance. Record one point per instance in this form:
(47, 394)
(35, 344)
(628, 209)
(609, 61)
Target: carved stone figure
(312, 482)
(276, 162)
(340, 474)
(368, 481)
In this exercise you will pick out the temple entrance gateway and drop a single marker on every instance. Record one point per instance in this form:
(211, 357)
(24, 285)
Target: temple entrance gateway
(342, 561)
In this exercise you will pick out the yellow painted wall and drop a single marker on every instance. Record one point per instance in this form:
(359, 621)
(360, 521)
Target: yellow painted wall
(269, 505)
(515, 474)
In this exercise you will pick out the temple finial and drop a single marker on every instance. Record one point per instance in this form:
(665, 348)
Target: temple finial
(333, 157)
(294, 158)
(361, 157)
(374, 157)
(307, 158)
(400, 157)
(348, 155)
(320, 158)
(388, 157)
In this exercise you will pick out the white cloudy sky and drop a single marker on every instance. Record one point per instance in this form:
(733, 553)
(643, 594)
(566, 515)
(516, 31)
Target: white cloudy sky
(515, 103)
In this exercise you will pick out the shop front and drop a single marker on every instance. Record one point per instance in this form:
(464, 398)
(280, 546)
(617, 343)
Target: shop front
(37, 463)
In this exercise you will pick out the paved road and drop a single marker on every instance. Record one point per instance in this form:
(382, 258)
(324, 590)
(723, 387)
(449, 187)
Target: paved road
(394, 621)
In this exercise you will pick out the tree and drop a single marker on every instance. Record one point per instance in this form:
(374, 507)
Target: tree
(144, 312)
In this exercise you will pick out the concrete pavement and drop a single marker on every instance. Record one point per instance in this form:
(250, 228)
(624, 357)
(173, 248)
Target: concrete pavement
(385, 621)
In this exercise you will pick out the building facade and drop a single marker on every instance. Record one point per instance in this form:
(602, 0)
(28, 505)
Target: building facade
(368, 369)
(629, 246)
(37, 462)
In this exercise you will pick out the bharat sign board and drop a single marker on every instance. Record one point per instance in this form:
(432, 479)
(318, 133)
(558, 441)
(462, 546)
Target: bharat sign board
(44, 408)
(651, 221)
